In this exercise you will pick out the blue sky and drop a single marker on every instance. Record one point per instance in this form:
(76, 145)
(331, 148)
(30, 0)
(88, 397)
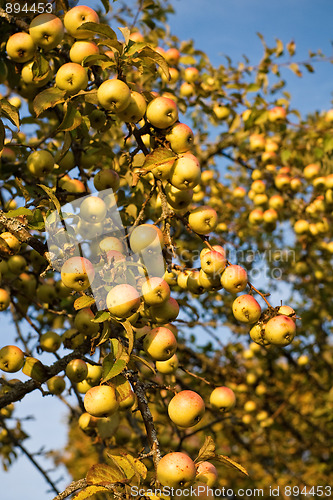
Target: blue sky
(218, 27)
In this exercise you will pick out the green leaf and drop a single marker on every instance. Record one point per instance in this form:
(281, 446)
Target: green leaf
(138, 359)
(112, 368)
(101, 316)
(10, 112)
(262, 118)
(228, 462)
(285, 155)
(72, 118)
(48, 99)
(127, 464)
(154, 56)
(103, 474)
(40, 67)
(89, 492)
(207, 450)
(19, 211)
(188, 60)
(253, 87)
(37, 222)
(106, 5)
(23, 189)
(52, 196)
(100, 29)
(328, 144)
(235, 124)
(159, 157)
(83, 301)
(113, 44)
(2, 135)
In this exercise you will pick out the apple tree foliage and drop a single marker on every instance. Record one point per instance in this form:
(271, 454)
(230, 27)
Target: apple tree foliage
(266, 184)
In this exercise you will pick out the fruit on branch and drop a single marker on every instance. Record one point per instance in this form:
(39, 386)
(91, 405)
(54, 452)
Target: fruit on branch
(50, 341)
(270, 216)
(106, 179)
(186, 408)
(135, 110)
(172, 56)
(162, 112)
(146, 236)
(257, 334)
(213, 262)
(87, 423)
(276, 202)
(193, 284)
(209, 282)
(176, 470)
(75, 17)
(83, 386)
(287, 311)
(180, 138)
(301, 226)
(77, 273)
(246, 309)
(185, 172)
(256, 216)
(94, 374)
(20, 47)
(234, 278)
(203, 220)
(72, 78)
(114, 95)
(56, 385)
(46, 293)
(93, 209)
(160, 343)
(76, 370)
(11, 358)
(83, 322)
(186, 90)
(182, 278)
(28, 76)
(35, 369)
(47, 31)
(123, 300)
(40, 163)
(168, 366)
(280, 330)
(221, 112)
(16, 264)
(178, 198)
(207, 473)
(191, 74)
(101, 401)
(155, 291)
(166, 312)
(81, 49)
(277, 113)
(222, 398)
(257, 141)
(4, 299)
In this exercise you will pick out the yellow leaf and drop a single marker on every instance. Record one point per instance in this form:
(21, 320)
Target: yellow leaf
(89, 492)
(102, 474)
(84, 301)
(207, 450)
(228, 462)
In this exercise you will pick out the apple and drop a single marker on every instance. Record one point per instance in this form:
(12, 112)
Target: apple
(172, 56)
(114, 95)
(106, 179)
(207, 473)
(101, 401)
(77, 16)
(234, 278)
(165, 312)
(193, 284)
(178, 198)
(246, 309)
(146, 236)
(287, 311)
(258, 186)
(123, 300)
(83, 322)
(280, 330)
(257, 334)
(213, 262)
(137, 37)
(11, 242)
(35, 369)
(4, 299)
(47, 31)
(168, 366)
(160, 343)
(87, 423)
(28, 76)
(135, 110)
(40, 163)
(277, 113)
(203, 220)
(186, 90)
(56, 385)
(180, 138)
(110, 243)
(50, 341)
(257, 141)
(186, 408)
(162, 112)
(93, 209)
(155, 291)
(276, 202)
(282, 181)
(176, 470)
(185, 172)
(81, 49)
(256, 216)
(301, 226)
(72, 339)
(94, 374)
(20, 47)
(208, 281)
(182, 278)
(77, 273)
(312, 170)
(72, 78)
(191, 74)
(11, 358)
(46, 293)
(250, 406)
(270, 216)
(16, 264)
(76, 370)
(221, 112)
(222, 398)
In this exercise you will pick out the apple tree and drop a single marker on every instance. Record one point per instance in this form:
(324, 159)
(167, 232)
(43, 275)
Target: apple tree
(151, 205)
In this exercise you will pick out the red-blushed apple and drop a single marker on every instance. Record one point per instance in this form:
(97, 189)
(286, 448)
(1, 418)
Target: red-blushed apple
(11, 358)
(186, 89)
(155, 291)
(256, 216)
(144, 236)
(280, 330)
(246, 309)
(101, 401)
(83, 322)
(76, 370)
(77, 273)
(186, 408)
(208, 281)
(81, 49)
(168, 366)
(239, 192)
(234, 278)
(56, 385)
(180, 138)
(191, 74)
(282, 181)
(287, 311)
(47, 31)
(40, 163)
(276, 201)
(160, 343)
(162, 112)
(176, 470)
(4, 299)
(207, 473)
(277, 113)
(312, 170)
(258, 186)
(50, 341)
(222, 398)
(213, 262)
(78, 15)
(165, 312)
(270, 216)
(185, 172)
(123, 300)
(135, 110)
(20, 47)
(257, 141)
(72, 78)
(203, 220)
(114, 95)
(172, 56)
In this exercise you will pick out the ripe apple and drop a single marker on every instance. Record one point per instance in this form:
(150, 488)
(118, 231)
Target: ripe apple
(246, 309)
(186, 408)
(257, 141)
(47, 31)
(28, 76)
(135, 110)
(146, 236)
(209, 282)
(178, 198)
(101, 401)
(256, 216)
(172, 56)
(213, 262)
(186, 90)
(207, 473)
(83, 322)
(16, 264)
(258, 186)
(114, 95)
(203, 220)
(222, 398)
(176, 470)
(234, 278)
(182, 278)
(280, 330)
(312, 170)
(185, 172)
(162, 112)
(75, 17)
(276, 202)
(165, 312)
(282, 181)
(221, 112)
(94, 374)
(72, 78)
(123, 300)
(81, 49)
(72, 339)
(191, 74)
(35, 369)
(77, 273)
(301, 226)
(110, 243)
(20, 47)
(76, 370)
(4, 299)
(257, 334)
(277, 113)
(155, 291)
(250, 406)
(270, 216)
(56, 385)
(93, 209)
(50, 341)
(287, 311)
(46, 293)
(10, 241)
(11, 358)
(168, 366)
(160, 343)
(180, 138)
(40, 163)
